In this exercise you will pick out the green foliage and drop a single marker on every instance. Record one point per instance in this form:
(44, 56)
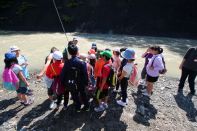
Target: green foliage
(6, 3)
(3, 20)
(67, 19)
(24, 7)
(72, 4)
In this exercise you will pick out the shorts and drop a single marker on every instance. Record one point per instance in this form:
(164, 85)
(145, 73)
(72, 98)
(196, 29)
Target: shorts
(151, 79)
(101, 95)
(22, 90)
(50, 92)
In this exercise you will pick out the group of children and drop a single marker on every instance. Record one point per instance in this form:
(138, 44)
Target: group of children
(78, 74)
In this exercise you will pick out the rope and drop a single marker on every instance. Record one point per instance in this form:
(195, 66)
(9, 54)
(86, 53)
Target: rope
(60, 19)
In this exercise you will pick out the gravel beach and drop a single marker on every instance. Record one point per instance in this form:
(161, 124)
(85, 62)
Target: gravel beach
(168, 111)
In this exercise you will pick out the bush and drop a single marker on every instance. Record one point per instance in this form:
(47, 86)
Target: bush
(72, 4)
(67, 19)
(6, 3)
(24, 7)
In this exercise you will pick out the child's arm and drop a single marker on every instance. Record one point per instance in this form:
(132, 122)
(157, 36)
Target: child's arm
(45, 67)
(23, 78)
(123, 74)
(144, 54)
(103, 83)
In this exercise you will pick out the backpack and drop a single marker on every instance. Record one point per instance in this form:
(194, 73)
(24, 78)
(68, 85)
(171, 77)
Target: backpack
(10, 79)
(163, 71)
(112, 78)
(57, 87)
(133, 80)
(72, 79)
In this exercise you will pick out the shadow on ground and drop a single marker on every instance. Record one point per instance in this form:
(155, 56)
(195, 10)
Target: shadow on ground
(7, 102)
(186, 104)
(7, 115)
(85, 121)
(144, 110)
(34, 113)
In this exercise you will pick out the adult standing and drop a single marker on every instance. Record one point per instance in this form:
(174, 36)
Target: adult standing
(189, 69)
(22, 61)
(75, 78)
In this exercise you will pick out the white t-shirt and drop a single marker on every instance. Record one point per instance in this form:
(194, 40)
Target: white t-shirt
(128, 68)
(21, 60)
(16, 69)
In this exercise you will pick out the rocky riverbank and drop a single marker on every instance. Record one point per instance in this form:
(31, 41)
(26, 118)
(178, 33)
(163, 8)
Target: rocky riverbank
(167, 111)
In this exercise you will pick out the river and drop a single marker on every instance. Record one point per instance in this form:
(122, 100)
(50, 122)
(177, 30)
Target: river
(36, 46)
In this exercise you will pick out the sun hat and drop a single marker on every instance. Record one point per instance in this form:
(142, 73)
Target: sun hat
(116, 50)
(14, 48)
(92, 56)
(106, 53)
(83, 55)
(10, 55)
(92, 51)
(57, 55)
(128, 54)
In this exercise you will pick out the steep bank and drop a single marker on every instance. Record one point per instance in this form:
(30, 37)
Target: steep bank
(177, 18)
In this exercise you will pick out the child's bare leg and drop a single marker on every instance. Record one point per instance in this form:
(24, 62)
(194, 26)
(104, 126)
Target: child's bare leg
(24, 98)
(149, 87)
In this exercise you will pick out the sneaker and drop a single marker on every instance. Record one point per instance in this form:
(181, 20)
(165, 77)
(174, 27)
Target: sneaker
(105, 105)
(27, 103)
(78, 110)
(99, 109)
(116, 91)
(127, 101)
(62, 102)
(57, 108)
(120, 102)
(52, 105)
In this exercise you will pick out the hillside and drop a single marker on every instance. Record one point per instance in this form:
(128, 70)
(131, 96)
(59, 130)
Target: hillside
(177, 18)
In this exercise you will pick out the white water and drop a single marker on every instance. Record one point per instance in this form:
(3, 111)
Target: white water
(36, 46)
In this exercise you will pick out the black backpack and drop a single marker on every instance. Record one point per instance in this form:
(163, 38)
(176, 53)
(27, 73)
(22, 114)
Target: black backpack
(111, 79)
(73, 78)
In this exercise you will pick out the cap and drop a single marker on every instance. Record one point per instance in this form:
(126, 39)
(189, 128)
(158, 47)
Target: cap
(14, 48)
(83, 56)
(92, 56)
(94, 45)
(128, 54)
(116, 50)
(106, 53)
(57, 55)
(10, 55)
